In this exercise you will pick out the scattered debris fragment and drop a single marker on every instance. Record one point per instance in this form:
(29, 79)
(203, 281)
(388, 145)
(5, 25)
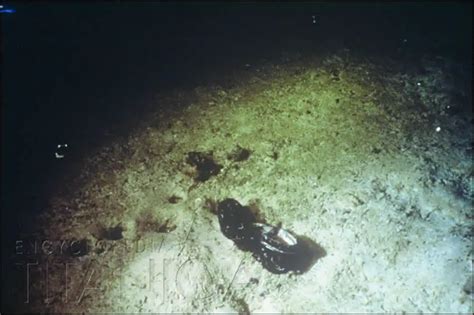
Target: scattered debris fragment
(112, 233)
(204, 165)
(253, 281)
(174, 199)
(239, 154)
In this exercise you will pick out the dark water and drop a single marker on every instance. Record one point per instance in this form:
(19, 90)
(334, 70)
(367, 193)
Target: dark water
(72, 73)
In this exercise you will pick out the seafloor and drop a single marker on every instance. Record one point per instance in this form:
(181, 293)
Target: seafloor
(369, 160)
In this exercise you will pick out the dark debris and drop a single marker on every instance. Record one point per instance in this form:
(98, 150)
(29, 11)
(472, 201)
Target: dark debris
(239, 154)
(278, 250)
(111, 233)
(174, 199)
(205, 165)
